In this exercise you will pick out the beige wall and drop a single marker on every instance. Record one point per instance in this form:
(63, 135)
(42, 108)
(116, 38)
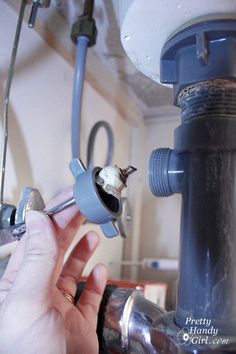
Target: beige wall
(39, 129)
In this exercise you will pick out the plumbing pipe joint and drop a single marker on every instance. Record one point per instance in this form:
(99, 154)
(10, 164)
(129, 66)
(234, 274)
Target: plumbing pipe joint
(166, 172)
(128, 322)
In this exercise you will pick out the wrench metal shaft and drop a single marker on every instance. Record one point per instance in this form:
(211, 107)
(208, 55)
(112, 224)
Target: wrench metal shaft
(15, 232)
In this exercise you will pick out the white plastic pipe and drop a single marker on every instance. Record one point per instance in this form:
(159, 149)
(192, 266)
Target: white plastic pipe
(164, 264)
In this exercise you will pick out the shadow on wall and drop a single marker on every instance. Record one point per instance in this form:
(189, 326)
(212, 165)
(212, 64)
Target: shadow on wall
(148, 93)
(160, 239)
(18, 150)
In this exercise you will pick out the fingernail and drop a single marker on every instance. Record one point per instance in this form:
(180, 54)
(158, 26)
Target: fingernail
(100, 271)
(92, 239)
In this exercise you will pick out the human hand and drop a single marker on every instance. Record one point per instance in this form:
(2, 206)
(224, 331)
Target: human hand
(35, 317)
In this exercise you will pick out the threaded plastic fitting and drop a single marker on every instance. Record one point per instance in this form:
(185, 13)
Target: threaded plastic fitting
(158, 172)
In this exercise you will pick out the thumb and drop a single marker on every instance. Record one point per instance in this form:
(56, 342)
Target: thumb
(36, 272)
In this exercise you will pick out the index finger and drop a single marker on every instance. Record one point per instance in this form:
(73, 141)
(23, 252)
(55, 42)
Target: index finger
(63, 219)
(66, 223)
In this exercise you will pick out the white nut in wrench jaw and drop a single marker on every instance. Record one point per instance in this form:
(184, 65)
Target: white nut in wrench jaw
(110, 180)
